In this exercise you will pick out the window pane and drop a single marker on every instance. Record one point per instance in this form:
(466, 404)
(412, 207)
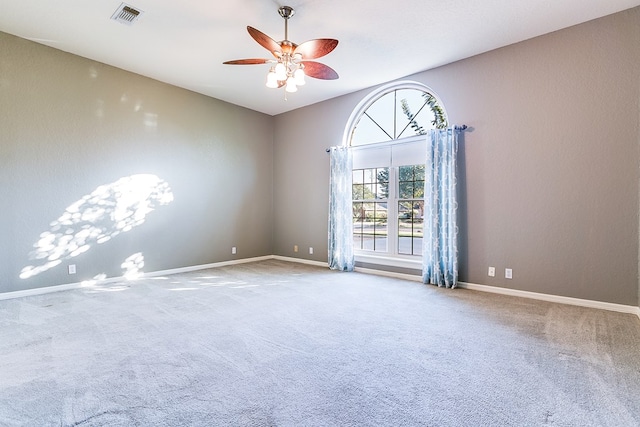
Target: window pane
(370, 226)
(368, 214)
(369, 191)
(411, 182)
(418, 190)
(404, 210)
(380, 213)
(404, 245)
(405, 173)
(410, 246)
(405, 190)
(357, 241)
(369, 184)
(418, 209)
(358, 212)
(357, 228)
(381, 244)
(382, 175)
(382, 113)
(410, 227)
(380, 228)
(413, 112)
(367, 132)
(369, 176)
(408, 107)
(358, 191)
(425, 119)
(367, 242)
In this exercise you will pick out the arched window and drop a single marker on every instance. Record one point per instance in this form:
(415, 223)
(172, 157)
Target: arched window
(386, 131)
(394, 112)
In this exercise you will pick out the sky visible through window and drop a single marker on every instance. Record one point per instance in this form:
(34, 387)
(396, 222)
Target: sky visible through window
(388, 118)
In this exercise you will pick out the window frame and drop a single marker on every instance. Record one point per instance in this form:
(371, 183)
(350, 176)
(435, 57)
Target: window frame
(373, 201)
(374, 96)
(390, 258)
(411, 201)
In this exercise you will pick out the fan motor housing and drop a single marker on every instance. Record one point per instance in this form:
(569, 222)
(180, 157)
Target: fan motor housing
(286, 12)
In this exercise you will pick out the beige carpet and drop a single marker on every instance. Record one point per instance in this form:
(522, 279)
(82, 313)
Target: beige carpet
(282, 344)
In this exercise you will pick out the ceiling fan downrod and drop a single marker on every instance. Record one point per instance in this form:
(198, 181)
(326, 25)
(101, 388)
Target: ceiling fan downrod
(286, 12)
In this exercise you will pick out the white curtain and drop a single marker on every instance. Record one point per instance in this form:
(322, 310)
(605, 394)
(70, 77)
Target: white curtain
(340, 209)
(440, 242)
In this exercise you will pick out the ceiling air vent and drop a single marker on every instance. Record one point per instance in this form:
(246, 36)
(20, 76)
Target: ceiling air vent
(126, 14)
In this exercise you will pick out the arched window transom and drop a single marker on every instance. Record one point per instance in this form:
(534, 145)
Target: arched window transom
(398, 112)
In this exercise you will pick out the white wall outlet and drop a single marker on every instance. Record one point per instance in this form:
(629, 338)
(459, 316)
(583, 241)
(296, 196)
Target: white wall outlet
(72, 269)
(492, 272)
(295, 248)
(234, 250)
(508, 273)
(310, 251)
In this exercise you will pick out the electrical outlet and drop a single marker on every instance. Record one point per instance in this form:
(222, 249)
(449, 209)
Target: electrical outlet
(492, 271)
(508, 273)
(72, 269)
(310, 251)
(234, 250)
(295, 248)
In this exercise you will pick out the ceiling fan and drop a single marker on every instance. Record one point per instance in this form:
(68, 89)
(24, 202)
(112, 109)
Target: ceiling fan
(292, 61)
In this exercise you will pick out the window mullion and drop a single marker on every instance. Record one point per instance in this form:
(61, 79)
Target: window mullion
(392, 209)
(395, 118)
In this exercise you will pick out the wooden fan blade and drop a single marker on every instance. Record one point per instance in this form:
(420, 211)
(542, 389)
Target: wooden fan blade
(265, 41)
(316, 48)
(319, 71)
(252, 61)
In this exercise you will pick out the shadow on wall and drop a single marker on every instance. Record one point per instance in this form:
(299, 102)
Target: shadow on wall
(98, 217)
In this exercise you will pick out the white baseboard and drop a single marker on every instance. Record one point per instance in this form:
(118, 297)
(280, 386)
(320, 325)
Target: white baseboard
(620, 308)
(39, 291)
(553, 298)
(517, 293)
(465, 285)
(92, 282)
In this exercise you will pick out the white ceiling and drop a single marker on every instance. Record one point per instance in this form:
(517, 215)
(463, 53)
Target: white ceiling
(184, 42)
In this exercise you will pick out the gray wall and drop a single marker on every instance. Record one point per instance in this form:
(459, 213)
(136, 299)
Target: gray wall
(550, 177)
(549, 169)
(69, 125)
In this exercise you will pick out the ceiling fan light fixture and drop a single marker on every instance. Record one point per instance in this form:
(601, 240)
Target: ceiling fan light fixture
(272, 80)
(281, 71)
(299, 76)
(291, 85)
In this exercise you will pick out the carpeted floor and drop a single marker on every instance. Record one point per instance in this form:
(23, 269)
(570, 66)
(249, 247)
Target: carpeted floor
(282, 344)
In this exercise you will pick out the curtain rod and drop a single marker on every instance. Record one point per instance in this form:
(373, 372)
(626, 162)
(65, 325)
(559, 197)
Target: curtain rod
(459, 128)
